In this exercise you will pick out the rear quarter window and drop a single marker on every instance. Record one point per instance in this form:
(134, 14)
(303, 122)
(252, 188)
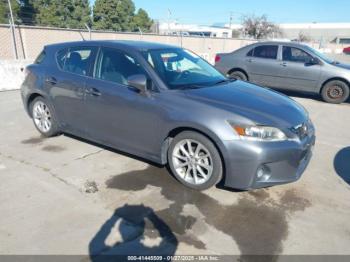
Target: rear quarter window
(250, 53)
(40, 58)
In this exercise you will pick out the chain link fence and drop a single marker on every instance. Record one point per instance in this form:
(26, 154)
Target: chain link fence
(31, 39)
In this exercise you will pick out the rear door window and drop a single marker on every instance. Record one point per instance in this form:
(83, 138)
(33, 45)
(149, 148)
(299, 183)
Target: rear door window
(266, 51)
(76, 60)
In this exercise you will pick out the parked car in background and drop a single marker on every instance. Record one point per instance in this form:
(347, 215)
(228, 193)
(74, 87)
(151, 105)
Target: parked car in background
(167, 105)
(288, 66)
(346, 50)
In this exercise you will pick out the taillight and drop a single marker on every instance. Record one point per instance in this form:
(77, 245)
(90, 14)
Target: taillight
(25, 71)
(217, 58)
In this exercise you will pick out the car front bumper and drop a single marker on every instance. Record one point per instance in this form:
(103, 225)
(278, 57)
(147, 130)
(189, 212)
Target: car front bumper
(251, 165)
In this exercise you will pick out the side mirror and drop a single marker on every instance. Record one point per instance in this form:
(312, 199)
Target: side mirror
(139, 82)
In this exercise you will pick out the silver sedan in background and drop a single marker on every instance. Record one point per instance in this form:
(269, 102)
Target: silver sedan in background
(288, 66)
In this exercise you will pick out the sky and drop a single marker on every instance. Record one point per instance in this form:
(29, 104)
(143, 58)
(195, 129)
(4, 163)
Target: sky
(207, 12)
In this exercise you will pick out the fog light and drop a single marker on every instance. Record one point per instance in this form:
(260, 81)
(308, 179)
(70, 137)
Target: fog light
(263, 173)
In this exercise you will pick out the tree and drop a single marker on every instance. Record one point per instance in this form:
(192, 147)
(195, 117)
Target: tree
(302, 37)
(114, 15)
(62, 13)
(5, 11)
(142, 21)
(27, 12)
(259, 27)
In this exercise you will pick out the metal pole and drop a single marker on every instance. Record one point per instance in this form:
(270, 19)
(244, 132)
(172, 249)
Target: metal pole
(12, 25)
(141, 34)
(89, 29)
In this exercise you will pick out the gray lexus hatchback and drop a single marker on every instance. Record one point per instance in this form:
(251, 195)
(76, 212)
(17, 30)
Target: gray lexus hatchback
(167, 105)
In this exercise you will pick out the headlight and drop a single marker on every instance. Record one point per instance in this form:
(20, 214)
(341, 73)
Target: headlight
(260, 133)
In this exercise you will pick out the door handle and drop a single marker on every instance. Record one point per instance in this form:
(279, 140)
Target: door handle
(249, 60)
(51, 80)
(284, 64)
(93, 92)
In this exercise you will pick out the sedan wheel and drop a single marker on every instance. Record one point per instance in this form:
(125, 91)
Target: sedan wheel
(238, 75)
(195, 161)
(43, 117)
(335, 92)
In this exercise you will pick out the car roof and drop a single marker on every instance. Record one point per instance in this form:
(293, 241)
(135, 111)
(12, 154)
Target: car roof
(289, 43)
(135, 45)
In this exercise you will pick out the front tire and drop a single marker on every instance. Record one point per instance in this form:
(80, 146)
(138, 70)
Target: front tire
(335, 92)
(194, 161)
(43, 117)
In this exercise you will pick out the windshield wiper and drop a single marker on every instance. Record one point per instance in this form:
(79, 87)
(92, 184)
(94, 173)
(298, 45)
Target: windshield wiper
(224, 81)
(184, 87)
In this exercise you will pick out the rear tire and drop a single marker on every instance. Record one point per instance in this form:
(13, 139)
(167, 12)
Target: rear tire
(194, 161)
(335, 92)
(239, 75)
(43, 117)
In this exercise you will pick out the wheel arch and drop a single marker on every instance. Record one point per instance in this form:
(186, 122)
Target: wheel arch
(30, 99)
(334, 79)
(177, 130)
(238, 69)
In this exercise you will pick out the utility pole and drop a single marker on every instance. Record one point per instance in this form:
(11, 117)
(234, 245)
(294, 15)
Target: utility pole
(12, 25)
(169, 14)
(231, 19)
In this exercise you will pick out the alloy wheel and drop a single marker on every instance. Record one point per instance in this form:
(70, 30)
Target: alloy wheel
(42, 116)
(192, 161)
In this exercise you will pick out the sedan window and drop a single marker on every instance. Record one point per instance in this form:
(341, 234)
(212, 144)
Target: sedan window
(250, 53)
(293, 54)
(266, 51)
(116, 66)
(75, 60)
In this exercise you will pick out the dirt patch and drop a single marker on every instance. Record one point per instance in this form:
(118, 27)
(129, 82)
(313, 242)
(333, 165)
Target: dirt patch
(53, 148)
(260, 194)
(294, 201)
(258, 225)
(90, 187)
(33, 140)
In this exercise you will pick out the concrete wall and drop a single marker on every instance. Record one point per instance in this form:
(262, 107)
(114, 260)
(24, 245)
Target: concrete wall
(11, 73)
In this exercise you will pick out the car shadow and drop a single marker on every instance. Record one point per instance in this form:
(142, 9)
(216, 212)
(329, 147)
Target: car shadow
(113, 150)
(127, 228)
(342, 164)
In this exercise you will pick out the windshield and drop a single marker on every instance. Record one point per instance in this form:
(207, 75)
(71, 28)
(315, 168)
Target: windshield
(320, 55)
(180, 68)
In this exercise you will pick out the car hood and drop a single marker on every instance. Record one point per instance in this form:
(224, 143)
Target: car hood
(259, 105)
(342, 65)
